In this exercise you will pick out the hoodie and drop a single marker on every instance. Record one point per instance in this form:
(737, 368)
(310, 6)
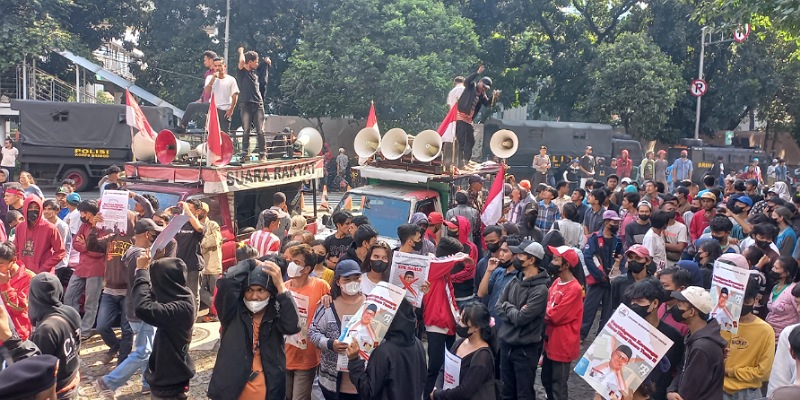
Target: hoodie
(464, 273)
(57, 329)
(163, 301)
(91, 262)
(624, 165)
(521, 307)
(703, 371)
(397, 368)
(14, 295)
(428, 246)
(39, 247)
(439, 302)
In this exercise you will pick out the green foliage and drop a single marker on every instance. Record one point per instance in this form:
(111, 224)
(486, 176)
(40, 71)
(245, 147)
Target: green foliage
(633, 79)
(402, 54)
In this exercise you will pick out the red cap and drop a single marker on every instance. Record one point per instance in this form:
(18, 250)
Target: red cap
(639, 250)
(435, 218)
(526, 184)
(450, 224)
(567, 253)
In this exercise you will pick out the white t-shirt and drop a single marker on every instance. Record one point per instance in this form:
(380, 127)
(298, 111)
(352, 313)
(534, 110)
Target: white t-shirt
(675, 233)
(366, 284)
(223, 90)
(9, 157)
(655, 245)
(454, 95)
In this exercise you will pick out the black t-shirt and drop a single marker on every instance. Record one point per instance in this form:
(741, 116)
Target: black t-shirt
(248, 86)
(634, 233)
(661, 378)
(587, 162)
(337, 247)
(188, 240)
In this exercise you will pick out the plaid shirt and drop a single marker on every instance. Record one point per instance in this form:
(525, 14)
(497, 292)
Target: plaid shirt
(548, 214)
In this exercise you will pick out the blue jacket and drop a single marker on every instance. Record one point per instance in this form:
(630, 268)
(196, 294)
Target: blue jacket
(605, 253)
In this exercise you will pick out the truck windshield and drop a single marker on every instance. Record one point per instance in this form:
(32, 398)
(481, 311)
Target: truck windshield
(385, 214)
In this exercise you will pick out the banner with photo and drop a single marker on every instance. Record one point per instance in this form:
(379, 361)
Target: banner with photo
(727, 291)
(410, 271)
(369, 325)
(300, 339)
(622, 355)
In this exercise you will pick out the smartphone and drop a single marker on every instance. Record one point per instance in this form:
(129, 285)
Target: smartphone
(618, 249)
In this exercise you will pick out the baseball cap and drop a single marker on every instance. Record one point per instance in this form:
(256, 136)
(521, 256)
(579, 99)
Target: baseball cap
(435, 218)
(639, 250)
(774, 160)
(645, 203)
(73, 198)
(204, 206)
(709, 195)
(697, 297)
(347, 268)
(298, 224)
(475, 179)
(28, 377)
(626, 180)
(588, 147)
(146, 225)
(452, 223)
(610, 214)
(755, 159)
(487, 82)
(530, 248)
(61, 190)
(567, 253)
(737, 260)
(744, 199)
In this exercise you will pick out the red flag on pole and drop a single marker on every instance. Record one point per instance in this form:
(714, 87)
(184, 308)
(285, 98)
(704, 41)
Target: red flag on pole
(135, 118)
(214, 143)
(447, 129)
(493, 210)
(372, 119)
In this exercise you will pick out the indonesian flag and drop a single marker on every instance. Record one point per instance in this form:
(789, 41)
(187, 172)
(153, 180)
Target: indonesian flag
(447, 129)
(214, 137)
(493, 209)
(135, 118)
(372, 119)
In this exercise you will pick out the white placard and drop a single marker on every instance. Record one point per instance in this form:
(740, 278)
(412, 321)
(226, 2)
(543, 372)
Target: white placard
(300, 339)
(410, 271)
(114, 210)
(452, 370)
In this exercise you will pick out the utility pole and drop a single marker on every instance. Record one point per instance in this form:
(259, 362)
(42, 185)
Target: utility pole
(227, 28)
(700, 76)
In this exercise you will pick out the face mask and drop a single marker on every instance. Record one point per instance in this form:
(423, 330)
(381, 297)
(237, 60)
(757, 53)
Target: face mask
(614, 229)
(720, 239)
(351, 288)
(553, 270)
(452, 234)
(762, 244)
(694, 209)
(517, 263)
(644, 217)
(667, 296)
(677, 314)
(256, 306)
(462, 331)
(84, 220)
(33, 215)
(319, 259)
(635, 267)
(418, 245)
(504, 264)
(736, 210)
(774, 276)
(294, 270)
(747, 309)
(492, 247)
(378, 266)
(641, 311)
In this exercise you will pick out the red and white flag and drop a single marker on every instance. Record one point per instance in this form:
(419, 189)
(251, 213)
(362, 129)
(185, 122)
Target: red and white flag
(372, 119)
(493, 209)
(214, 144)
(447, 129)
(135, 118)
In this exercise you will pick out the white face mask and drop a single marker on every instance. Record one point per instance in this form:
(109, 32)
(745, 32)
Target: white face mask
(351, 288)
(256, 306)
(294, 270)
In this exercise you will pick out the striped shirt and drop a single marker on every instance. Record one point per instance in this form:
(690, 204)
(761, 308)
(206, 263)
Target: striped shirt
(265, 242)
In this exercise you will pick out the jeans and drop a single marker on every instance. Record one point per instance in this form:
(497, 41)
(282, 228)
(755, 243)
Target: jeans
(137, 360)
(518, 370)
(554, 378)
(207, 284)
(110, 307)
(193, 282)
(93, 286)
(437, 343)
(298, 383)
(192, 109)
(744, 394)
(596, 297)
(253, 113)
(465, 140)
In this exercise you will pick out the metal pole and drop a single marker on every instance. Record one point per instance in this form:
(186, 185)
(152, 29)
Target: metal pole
(314, 197)
(77, 84)
(227, 28)
(25, 78)
(700, 76)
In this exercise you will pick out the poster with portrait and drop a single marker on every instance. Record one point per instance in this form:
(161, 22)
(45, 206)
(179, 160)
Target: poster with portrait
(300, 339)
(727, 292)
(410, 271)
(622, 355)
(369, 325)
(114, 210)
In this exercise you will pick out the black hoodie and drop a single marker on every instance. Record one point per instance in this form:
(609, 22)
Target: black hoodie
(397, 368)
(703, 371)
(521, 307)
(57, 326)
(168, 305)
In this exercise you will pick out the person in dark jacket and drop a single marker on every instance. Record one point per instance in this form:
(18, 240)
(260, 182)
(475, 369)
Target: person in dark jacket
(703, 371)
(167, 304)
(396, 368)
(639, 266)
(521, 307)
(252, 297)
(56, 331)
(469, 104)
(601, 246)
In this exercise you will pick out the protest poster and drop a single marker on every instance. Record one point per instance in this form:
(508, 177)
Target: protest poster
(300, 339)
(114, 210)
(410, 271)
(622, 355)
(173, 227)
(452, 370)
(369, 325)
(341, 362)
(727, 291)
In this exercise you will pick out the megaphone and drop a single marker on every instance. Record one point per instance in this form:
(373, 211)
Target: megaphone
(143, 147)
(311, 141)
(394, 144)
(427, 146)
(227, 150)
(367, 142)
(168, 147)
(504, 143)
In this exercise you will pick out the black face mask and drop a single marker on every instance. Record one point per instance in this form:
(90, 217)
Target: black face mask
(84, 220)
(737, 209)
(319, 259)
(719, 238)
(452, 234)
(677, 314)
(667, 296)
(517, 263)
(378, 266)
(505, 264)
(33, 215)
(418, 245)
(640, 310)
(747, 309)
(553, 270)
(694, 209)
(492, 247)
(462, 331)
(635, 267)
(644, 218)
(774, 276)
(614, 229)
(762, 244)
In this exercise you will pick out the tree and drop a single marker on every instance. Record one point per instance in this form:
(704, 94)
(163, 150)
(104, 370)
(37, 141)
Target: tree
(633, 79)
(403, 54)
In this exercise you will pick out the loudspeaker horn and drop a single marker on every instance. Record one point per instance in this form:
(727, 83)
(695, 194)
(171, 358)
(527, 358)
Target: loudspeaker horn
(143, 147)
(504, 143)
(395, 144)
(427, 146)
(227, 150)
(367, 142)
(311, 141)
(168, 147)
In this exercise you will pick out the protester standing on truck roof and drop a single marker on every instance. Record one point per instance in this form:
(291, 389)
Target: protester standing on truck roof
(587, 166)
(251, 103)
(9, 162)
(541, 165)
(225, 91)
(200, 105)
(455, 92)
(469, 104)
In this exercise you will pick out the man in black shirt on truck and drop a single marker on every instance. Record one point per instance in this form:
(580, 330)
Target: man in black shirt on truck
(252, 104)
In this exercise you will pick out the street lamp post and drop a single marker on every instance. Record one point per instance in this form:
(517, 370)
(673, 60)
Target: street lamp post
(700, 76)
(227, 28)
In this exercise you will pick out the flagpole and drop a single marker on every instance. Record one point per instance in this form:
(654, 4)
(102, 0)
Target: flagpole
(133, 155)
(208, 122)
